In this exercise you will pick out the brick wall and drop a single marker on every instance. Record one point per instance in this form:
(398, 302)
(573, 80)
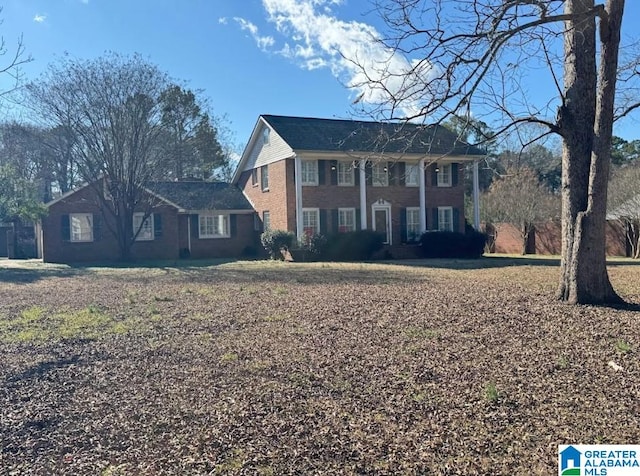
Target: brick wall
(547, 239)
(173, 239)
(104, 247)
(244, 241)
(327, 196)
(274, 200)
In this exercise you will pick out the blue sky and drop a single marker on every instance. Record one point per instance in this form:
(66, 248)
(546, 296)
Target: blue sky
(250, 57)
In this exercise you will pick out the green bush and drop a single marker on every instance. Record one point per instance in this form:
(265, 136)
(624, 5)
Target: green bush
(277, 242)
(352, 246)
(314, 244)
(449, 244)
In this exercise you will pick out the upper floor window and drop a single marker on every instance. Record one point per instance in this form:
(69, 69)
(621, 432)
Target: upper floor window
(81, 226)
(345, 173)
(266, 135)
(346, 219)
(444, 175)
(254, 177)
(264, 177)
(213, 226)
(143, 226)
(412, 175)
(445, 219)
(380, 175)
(309, 172)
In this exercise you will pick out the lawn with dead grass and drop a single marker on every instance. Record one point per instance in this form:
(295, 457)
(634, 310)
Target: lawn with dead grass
(272, 368)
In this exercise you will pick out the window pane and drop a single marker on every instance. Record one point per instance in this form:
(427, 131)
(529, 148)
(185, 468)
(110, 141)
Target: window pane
(213, 226)
(310, 223)
(309, 171)
(445, 219)
(346, 220)
(380, 178)
(81, 226)
(266, 220)
(413, 224)
(145, 226)
(345, 173)
(412, 174)
(444, 175)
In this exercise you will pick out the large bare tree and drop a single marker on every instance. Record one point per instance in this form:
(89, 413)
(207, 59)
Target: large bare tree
(485, 59)
(110, 111)
(520, 199)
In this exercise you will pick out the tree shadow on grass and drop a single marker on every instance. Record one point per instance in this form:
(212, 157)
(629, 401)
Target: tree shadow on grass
(31, 275)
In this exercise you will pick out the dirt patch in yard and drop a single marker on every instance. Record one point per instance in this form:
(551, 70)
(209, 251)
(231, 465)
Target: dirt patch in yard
(283, 368)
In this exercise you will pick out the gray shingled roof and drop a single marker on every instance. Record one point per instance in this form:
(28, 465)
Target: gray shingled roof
(302, 133)
(202, 195)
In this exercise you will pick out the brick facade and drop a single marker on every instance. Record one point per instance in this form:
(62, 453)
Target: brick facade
(328, 196)
(177, 234)
(546, 239)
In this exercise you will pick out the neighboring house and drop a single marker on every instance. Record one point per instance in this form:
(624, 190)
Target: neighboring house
(188, 219)
(324, 176)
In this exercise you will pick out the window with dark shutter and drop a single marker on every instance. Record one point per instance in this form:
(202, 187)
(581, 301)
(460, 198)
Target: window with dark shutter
(403, 225)
(97, 227)
(65, 228)
(195, 231)
(233, 225)
(322, 168)
(334, 221)
(333, 172)
(157, 225)
(323, 221)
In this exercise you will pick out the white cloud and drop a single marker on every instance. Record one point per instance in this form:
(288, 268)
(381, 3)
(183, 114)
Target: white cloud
(86, 2)
(39, 18)
(264, 42)
(223, 21)
(316, 38)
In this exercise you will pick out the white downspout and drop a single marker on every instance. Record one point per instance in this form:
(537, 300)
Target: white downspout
(423, 197)
(363, 194)
(189, 233)
(297, 171)
(476, 197)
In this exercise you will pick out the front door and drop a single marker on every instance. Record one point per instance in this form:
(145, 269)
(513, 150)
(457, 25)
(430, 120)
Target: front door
(381, 223)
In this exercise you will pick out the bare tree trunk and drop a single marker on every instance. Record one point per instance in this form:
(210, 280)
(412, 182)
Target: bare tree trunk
(586, 123)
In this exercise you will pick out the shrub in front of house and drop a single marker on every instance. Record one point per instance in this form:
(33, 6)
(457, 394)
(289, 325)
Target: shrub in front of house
(310, 248)
(277, 242)
(449, 244)
(352, 246)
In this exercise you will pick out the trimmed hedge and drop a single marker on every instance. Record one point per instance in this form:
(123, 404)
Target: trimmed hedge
(277, 242)
(352, 246)
(449, 244)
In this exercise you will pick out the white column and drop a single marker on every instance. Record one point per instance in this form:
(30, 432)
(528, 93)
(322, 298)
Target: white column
(423, 197)
(297, 170)
(363, 194)
(476, 197)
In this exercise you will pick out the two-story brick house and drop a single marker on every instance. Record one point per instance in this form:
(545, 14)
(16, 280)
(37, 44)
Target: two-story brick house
(309, 175)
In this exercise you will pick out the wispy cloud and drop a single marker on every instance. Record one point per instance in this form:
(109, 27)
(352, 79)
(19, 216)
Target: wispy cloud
(38, 18)
(264, 42)
(86, 2)
(316, 38)
(223, 20)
